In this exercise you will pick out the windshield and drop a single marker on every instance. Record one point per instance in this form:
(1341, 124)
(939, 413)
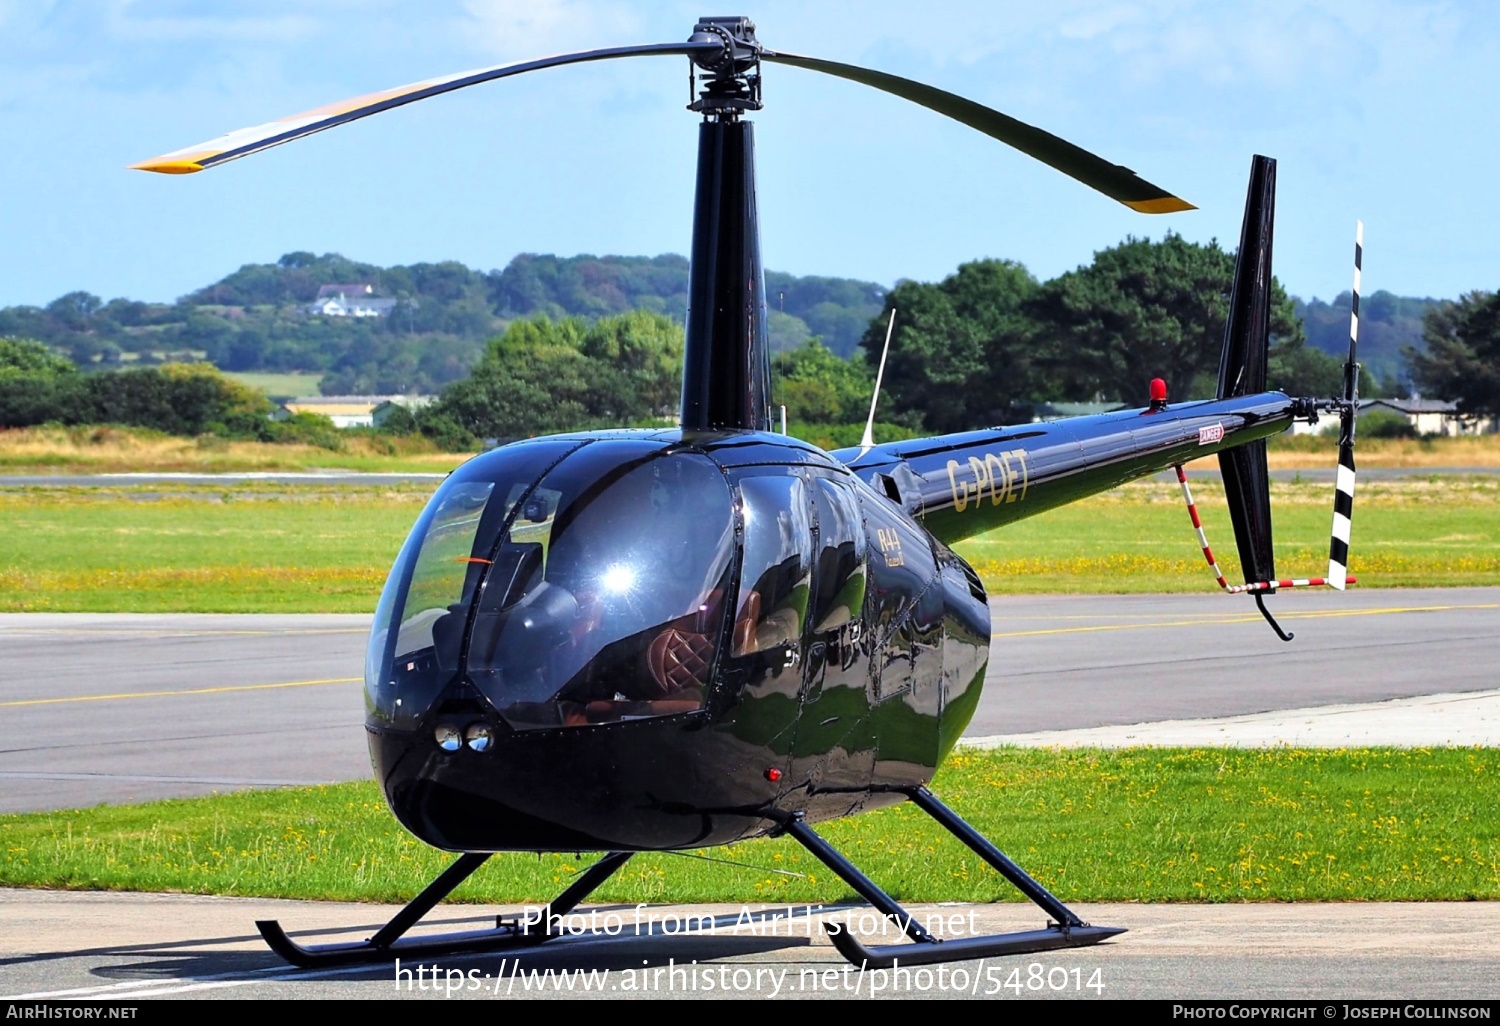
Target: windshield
(436, 576)
(606, 598)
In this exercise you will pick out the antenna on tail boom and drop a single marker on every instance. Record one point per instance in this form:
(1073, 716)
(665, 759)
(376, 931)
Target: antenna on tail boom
(867, 440)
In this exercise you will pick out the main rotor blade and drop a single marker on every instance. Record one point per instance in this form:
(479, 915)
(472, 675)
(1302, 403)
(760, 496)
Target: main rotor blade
(252, 140)
(1116, 182)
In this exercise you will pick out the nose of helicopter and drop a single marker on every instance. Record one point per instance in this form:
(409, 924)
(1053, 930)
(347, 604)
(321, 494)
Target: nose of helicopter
(611, 643)
(547, 644)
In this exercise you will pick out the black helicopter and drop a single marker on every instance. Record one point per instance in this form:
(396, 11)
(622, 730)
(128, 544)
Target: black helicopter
(671, 639)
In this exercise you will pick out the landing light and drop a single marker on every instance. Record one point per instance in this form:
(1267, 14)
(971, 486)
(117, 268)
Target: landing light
(479, 737)
(449, 739)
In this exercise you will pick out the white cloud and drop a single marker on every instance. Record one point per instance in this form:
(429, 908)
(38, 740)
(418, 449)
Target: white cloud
(133, 21)
(1269, 43)
(517, 29)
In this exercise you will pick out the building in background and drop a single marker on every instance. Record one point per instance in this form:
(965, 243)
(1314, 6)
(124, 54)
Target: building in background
(1432, 416)
(351, 411)
(357, 300)
(1061, 411)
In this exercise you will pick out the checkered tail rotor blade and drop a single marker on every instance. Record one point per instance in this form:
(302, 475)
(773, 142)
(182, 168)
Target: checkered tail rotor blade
(1343, 496)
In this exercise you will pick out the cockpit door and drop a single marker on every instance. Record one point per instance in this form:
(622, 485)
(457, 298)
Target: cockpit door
(767, 636)
(835, 748)
(835, 620)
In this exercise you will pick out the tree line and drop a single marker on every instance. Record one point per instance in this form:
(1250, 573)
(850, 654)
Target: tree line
(990, 342)
(37, 386)
(984, 346)
(1389, 325)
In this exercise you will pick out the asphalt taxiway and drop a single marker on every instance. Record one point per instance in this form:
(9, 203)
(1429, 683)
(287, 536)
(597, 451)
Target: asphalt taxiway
(125, 947)
(125, 707)
(129, 707)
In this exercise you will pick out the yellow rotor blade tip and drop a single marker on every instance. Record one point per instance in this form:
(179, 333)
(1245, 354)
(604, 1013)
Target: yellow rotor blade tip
(1164, 205)
(168, 167)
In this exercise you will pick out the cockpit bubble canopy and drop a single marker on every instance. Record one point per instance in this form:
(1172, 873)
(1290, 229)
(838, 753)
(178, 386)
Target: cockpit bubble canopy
(572, 584)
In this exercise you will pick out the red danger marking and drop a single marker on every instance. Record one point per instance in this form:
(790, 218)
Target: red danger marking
(1211, 434)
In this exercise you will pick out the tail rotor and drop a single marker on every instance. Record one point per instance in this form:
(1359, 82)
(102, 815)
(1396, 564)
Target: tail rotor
(1242, 371)
(1348, 407)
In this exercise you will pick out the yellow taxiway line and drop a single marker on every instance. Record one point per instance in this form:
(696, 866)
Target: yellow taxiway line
(1215, 619)
(173, 694)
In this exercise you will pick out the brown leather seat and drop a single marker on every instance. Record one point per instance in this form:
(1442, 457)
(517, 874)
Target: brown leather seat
(744, 627)
(679, 659)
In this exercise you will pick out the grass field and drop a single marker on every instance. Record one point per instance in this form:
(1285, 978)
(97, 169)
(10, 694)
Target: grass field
(88, 450)
(1137, 824)
(279, 384)
(248, 548)
(1431, 531)
(272, 548)
(1298, 452)
(111, 450)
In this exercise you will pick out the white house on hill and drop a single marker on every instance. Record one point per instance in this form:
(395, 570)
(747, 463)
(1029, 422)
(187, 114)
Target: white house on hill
(350, 301)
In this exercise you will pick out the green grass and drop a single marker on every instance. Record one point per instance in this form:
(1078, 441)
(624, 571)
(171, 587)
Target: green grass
(245, 548)
(294, 384)
(276, 548)
(1138, 824)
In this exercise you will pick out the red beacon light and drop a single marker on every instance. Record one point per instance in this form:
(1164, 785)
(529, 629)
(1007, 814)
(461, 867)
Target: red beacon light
(1158, 395)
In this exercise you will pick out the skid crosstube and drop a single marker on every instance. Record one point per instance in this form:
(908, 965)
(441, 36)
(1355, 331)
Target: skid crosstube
(1065, 930)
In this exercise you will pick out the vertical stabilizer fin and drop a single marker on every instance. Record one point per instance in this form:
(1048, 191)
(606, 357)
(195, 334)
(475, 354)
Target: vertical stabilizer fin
(1242, 371)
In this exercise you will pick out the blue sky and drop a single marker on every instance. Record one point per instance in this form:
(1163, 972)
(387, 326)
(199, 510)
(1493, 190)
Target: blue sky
(1377, 109)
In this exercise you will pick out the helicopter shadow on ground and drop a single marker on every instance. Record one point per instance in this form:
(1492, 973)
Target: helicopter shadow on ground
(178, 962)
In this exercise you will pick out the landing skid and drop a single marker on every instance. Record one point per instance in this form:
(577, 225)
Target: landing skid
(386, 943)
(1065, 930)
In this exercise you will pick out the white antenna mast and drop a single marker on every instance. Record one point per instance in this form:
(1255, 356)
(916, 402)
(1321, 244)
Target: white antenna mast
(868, 441)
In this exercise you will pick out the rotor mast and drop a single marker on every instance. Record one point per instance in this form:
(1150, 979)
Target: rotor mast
(726, 367)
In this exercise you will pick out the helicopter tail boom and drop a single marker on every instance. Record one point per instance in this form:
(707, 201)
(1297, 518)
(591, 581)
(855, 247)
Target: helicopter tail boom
(966, 484)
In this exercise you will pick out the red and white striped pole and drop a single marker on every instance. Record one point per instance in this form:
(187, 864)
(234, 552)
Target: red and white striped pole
(1208, 553)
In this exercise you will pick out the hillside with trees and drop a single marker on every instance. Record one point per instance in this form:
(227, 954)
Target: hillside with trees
(1461, 360)
(551, 344)
(990, 342)
(443, 314)
(258, 319)
(1389, 326)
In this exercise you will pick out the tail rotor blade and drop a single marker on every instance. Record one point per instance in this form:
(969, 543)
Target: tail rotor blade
(1351, 368)
(1343, 510)
(1343, 497)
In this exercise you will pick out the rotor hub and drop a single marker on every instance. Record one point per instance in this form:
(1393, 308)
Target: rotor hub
(732, 76)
